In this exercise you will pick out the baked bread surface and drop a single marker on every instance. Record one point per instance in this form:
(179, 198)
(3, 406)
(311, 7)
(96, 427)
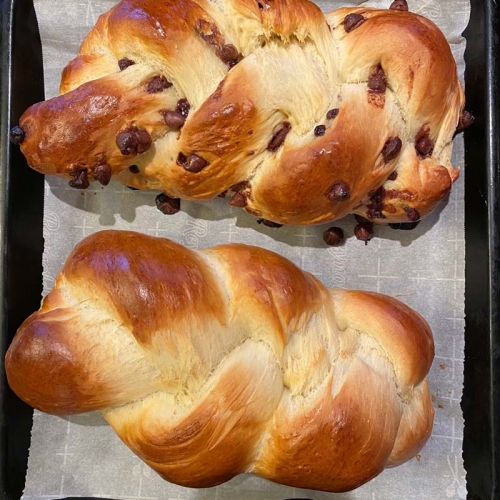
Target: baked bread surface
(299, 117)
(229, 360)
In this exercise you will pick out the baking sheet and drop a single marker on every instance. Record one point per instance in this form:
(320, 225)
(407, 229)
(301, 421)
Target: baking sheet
(81, 455)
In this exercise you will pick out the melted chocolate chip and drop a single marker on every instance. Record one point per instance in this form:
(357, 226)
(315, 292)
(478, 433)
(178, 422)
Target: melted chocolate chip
(229, 53)
(319, 130)
(393, 176)
(391, 149)
(466, 120)
(167, 205)
(269, 223)
(279, 137)
(134, 169)
(102, 173)
(338, 191)
(412, 214)
(353, 21)
(17, 135)
(81, 180)
(364, 232)
(125, 63)
(399, 5)
(376, 205)
(238, 200)
(332, 113)
(405, 226)
(376, 81)
(158, 84)
(173, 119)
(192, 163)
(183, 107)
(333, 236)
(424, 146)
(133, 140)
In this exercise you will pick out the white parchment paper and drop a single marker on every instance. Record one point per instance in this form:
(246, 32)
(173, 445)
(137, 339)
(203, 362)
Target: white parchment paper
(81, 455)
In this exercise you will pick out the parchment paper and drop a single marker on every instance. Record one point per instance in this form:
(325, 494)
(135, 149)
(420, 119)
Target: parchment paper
(81, 455)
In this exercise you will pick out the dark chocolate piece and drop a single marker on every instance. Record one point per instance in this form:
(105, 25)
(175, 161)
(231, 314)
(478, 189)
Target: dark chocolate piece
(391, 149)
(353, 21)
(167, 205)
(81, 180)
(17, 135)
(133, 140)
(334, 236)
(338, 191)
(279, 137)
(102, 173)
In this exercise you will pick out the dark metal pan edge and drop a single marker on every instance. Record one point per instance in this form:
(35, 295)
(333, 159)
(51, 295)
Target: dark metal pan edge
(22, 225)
(481, 400)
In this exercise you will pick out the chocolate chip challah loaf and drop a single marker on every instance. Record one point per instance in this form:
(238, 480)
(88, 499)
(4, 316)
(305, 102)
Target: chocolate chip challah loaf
(229, 360)
(299, 117)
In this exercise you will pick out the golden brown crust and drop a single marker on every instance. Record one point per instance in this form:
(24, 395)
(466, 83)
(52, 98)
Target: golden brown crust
(236, 62)
(230, 360)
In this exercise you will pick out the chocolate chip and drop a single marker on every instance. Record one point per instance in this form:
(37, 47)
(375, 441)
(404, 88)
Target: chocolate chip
(102, 173)
(424, 146)
(333, 236)
(376, 205)
(167, 205)
(405, 226)
(338, 191)
(125, 63)
(353, 21)
(133, 140)
(391, 149)
(229, 53)
(260, 5)
(399, 5)
(17, 135)
(332, 113)
(412, 214)
(393, 176)
(269, 223)
(172, 119)
(81, 180)
(192, 163)
(134, 169)
(466, 120)
(238, 200)
(223, 194)
(376, 81)
(364, 232)
(183, 107)
(279, 137)
(158, 84)
(319, 130)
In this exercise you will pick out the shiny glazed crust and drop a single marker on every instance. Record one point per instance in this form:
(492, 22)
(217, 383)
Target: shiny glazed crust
(213, 363)
(260, 77)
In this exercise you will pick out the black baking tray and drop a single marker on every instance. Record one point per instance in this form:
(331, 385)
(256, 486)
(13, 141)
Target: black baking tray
(21, 241)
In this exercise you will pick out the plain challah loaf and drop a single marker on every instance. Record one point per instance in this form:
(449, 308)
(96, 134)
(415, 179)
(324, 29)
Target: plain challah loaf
(297, 116)
(213, 363)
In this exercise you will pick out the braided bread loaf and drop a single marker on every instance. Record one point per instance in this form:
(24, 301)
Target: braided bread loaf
(304, 117)
(230, 360)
